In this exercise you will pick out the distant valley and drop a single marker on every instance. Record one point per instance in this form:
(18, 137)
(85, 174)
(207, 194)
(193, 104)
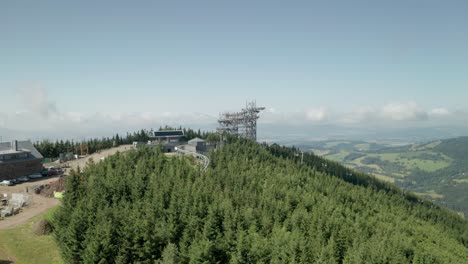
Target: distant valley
(437, 169)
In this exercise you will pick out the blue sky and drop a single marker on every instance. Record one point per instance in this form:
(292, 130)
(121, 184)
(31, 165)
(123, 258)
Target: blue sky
(143, 63)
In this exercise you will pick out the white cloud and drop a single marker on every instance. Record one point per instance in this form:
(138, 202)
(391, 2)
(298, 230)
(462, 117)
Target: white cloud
(75, 117)
(439, 112)
(38, 114)
(271, 110)
(398, 113)
(392, 114)
(317, 115)
(358, 115)
(36, 100)
(403, 112)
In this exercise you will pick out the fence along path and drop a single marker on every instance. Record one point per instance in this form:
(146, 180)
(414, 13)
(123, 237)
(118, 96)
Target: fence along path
(206, 160)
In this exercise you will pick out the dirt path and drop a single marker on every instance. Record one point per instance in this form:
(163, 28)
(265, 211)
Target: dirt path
(40, 204)
(97, 156)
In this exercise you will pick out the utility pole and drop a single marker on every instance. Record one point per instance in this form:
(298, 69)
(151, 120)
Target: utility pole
(302, 156)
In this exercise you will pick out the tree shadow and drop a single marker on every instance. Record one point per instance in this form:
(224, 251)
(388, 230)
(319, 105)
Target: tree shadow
(6, 261)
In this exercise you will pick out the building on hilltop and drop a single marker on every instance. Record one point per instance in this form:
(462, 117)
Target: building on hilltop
(196, 145)
(169, 139)
(166, 135)
(19, 158)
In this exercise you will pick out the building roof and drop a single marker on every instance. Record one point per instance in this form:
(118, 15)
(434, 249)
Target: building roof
(11, 151)
(23, 146)
(196, 140)
(168, 133)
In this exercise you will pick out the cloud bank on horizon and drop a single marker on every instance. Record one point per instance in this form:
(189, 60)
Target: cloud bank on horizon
(38, 115)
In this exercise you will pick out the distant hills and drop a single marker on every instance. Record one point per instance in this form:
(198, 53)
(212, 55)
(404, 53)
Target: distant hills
(295, 134)
(436, 169)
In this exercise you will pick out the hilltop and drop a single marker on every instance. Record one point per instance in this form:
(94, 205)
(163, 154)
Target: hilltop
(255, 204)
(435, 169)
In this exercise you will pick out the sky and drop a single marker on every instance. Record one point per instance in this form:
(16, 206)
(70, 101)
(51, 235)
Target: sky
(85, 68)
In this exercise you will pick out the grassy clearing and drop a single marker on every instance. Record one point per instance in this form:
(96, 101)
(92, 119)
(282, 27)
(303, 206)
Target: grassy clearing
(384, 178)
(363, 146)
(399, 175)
(338, 156)
(411, 161)
(461, 180)
(431, 194)
(23, 246)
(4, 257)
(320, 152)
(431, 145)
(358, 162)
(413, 155)
(391, 157)
(427, 165)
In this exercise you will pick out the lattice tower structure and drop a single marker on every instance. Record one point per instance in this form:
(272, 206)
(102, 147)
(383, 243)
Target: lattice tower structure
(243, 123)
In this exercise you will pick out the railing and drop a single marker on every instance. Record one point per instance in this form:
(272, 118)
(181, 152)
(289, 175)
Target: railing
(206, 160)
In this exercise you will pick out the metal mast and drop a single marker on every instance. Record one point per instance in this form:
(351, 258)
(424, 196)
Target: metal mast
(243, 123)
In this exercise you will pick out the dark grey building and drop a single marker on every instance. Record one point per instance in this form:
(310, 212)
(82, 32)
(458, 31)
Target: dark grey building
(19, 158)
(169, 139)
(166, 135)
(196, 145)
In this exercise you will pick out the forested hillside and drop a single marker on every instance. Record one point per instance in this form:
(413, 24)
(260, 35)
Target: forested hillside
(437, 170)
(255, 204)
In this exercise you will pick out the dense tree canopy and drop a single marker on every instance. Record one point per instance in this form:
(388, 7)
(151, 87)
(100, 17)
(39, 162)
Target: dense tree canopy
(255, 204)
(52, 149)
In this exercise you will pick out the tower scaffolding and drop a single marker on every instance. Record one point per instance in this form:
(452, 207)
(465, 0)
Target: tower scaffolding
(243, 123)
